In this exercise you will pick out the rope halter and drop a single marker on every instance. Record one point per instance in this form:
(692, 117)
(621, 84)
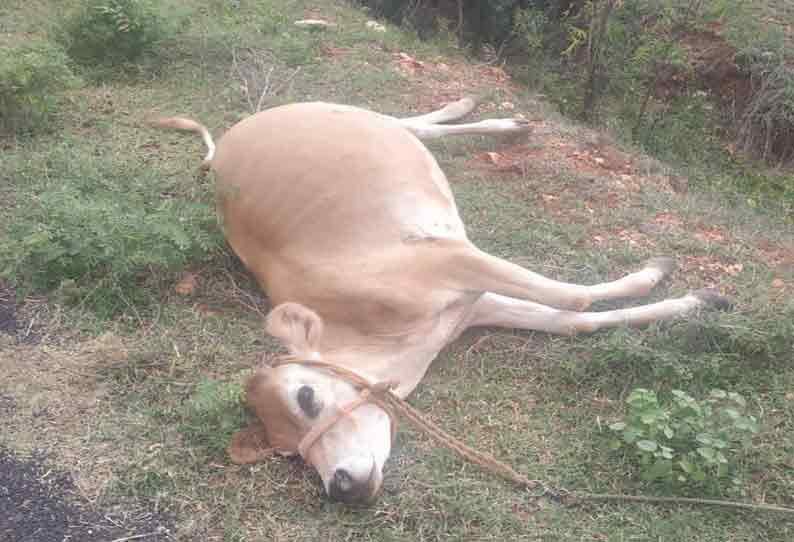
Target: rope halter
(376, 394)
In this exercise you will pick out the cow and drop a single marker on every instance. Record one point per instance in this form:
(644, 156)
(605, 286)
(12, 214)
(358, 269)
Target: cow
(349, 225)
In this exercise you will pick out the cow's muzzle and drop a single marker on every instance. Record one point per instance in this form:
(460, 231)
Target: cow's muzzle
(354, 485)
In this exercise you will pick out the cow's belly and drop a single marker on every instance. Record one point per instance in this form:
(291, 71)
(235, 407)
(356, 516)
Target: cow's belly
(320, 180)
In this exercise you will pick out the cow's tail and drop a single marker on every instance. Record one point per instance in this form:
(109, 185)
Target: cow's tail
(188, 125)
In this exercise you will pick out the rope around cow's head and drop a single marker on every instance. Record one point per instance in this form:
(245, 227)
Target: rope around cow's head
(370, 393)
(381, 394)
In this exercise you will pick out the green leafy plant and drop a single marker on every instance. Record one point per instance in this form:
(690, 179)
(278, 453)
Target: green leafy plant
(31, 76)
(100, 232)
(112, 32)
(529, 25)
(685, 440)
(212, 413)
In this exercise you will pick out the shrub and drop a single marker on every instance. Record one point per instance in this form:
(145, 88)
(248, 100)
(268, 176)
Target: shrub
(100, 229)
(765, 101)
(112, 32)
(684, 440)
(31, 75)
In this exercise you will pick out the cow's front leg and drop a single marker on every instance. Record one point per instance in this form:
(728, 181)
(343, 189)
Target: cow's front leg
(484, 127)
(450, 112)
(428, 126)
(496, 310)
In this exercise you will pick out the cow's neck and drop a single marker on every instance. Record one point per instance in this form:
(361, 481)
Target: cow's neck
(403, 358)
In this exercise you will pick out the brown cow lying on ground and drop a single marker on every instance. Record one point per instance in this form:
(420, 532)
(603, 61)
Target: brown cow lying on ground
(351, 228)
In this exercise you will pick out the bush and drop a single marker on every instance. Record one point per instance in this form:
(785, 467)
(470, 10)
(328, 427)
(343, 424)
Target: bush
(31, 75)
(99, 230)
(112, 32)
(685, 440)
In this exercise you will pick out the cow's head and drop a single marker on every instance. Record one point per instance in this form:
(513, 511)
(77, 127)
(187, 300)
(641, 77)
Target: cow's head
(304, 410)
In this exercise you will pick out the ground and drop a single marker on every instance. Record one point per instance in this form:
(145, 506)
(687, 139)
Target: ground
(38, 503)
(131, 415)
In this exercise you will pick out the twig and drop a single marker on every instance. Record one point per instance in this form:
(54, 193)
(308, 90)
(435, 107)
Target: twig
(242, 293)
(265, 90)
(243, 80)
(137, 536)
(30, 326)
(287, 80)
(114, 522)
(251, 83)
(476, 345)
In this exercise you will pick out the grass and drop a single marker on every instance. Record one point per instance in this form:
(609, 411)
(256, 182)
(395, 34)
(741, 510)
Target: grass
(139, 406)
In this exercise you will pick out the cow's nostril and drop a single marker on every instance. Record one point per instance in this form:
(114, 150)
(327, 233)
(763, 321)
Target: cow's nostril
(343, 488)
(357, 482)
(342, 480)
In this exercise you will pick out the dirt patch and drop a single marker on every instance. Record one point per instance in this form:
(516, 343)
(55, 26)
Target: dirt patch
(710, 271)
(55, 401)
(437, 83)
(623, 236)
(776, 255)
(39, 504)
(761, 126)
(714, 64)
(595, 156)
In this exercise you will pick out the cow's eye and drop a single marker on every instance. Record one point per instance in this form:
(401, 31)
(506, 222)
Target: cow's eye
(307, 402)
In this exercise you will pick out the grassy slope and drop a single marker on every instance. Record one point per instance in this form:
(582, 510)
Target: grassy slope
(143, 411)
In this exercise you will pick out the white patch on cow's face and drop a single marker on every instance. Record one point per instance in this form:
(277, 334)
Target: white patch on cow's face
(350, 455)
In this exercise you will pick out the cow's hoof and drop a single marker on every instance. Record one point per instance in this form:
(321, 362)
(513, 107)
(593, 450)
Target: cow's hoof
(662, 264)
(521, 125)
(712, 299)
(468, 103)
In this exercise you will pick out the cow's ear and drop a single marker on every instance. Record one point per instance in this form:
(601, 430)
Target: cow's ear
(249, 445)
(300, 329)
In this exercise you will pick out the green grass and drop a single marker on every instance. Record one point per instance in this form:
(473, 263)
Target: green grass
(142, 403)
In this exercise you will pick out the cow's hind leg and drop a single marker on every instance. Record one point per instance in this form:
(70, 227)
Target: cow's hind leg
(496, 310)
(474, 270)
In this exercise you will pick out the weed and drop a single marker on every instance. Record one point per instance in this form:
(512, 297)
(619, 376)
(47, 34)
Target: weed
(113, 33)
(212, 414)
(684, 440)
(100, 230)
(529, 25)
(716, 351)
(32, 74)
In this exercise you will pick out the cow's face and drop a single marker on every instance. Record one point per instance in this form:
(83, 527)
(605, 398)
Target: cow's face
(290, 401)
